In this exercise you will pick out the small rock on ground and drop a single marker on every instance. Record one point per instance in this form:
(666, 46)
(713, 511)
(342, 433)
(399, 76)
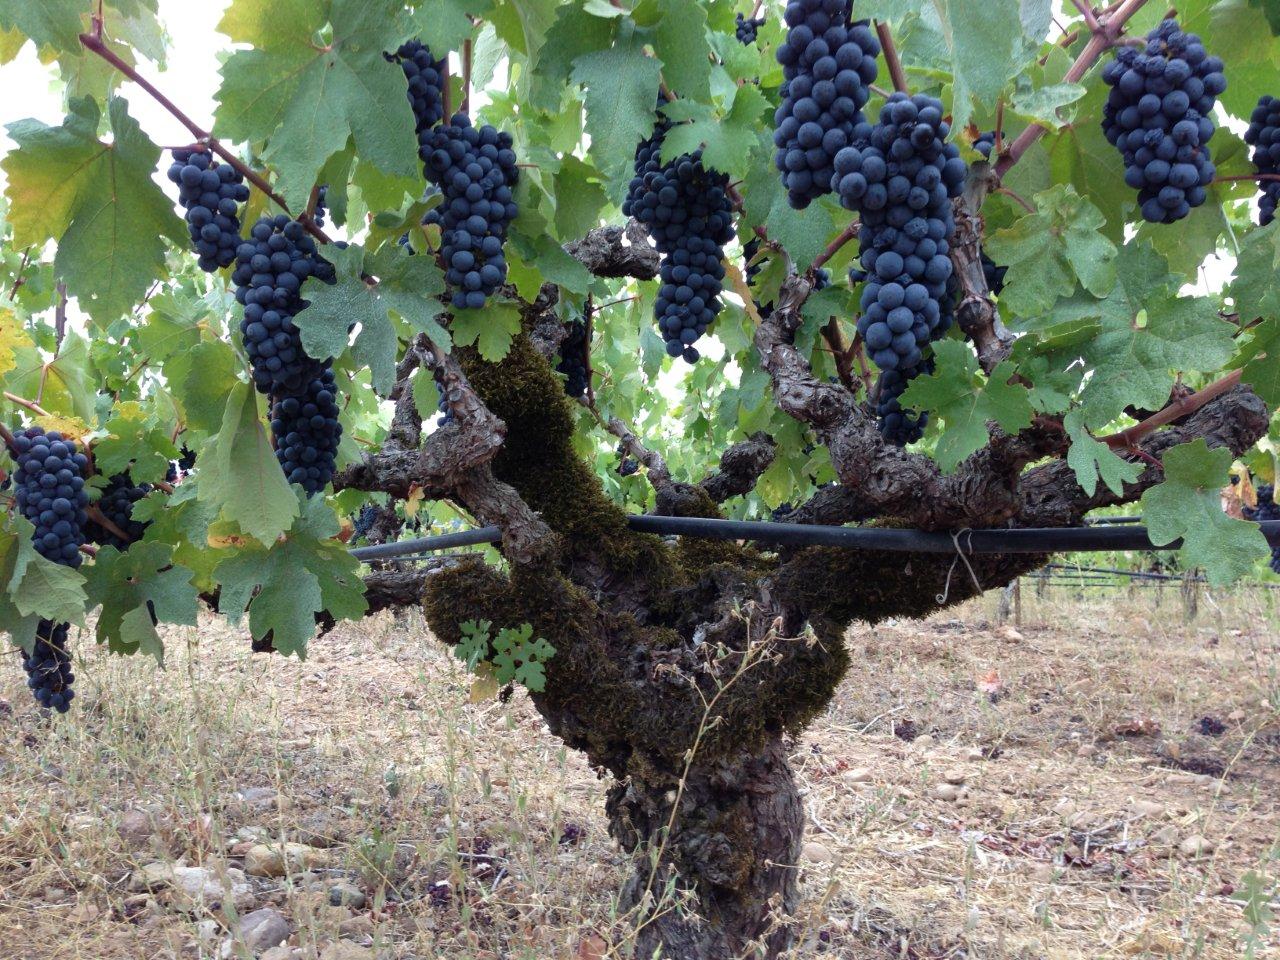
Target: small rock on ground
(275, 860)
(345, 950)
(344, 894)
(817, 852)
(1197, 846)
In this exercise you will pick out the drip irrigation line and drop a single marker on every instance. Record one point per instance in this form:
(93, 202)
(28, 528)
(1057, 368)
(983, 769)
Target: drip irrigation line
(967, 542)
(1110, 521)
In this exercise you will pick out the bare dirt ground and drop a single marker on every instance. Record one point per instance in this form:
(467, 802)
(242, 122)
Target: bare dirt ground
(1102, 781)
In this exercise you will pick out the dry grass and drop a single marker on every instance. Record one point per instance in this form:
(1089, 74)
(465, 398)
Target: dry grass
(477, 835)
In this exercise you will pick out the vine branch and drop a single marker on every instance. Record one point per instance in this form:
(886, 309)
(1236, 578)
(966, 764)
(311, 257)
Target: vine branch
(891, 59)
(1128, 438)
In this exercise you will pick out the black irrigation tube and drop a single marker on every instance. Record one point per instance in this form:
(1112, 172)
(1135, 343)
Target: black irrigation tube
(1026, 540)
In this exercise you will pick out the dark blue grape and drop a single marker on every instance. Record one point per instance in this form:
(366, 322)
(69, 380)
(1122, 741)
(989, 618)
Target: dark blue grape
(48, 667)
(211, 194)
(426, 76)
(1159, 115)
(307, 432)
(828, 65)
(746, 27)
(1264, 136)
(116, 504)
(573, 359)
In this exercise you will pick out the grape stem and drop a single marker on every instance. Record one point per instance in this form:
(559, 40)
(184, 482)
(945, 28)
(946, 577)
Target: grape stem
(26, 404)
(466, 74)
(1246, 176)
(1128, 438)
(88, 549)
(6, 435)
(94, 43)
(891, 59)
(94, 513)
(19, 279)
(839, 353)
(1025, 204)
(845, 235)
(1086, 11)
(1106, 36)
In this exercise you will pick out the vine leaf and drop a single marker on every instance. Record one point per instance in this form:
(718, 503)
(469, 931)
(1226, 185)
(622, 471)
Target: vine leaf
(680, 40)
(1091, 459)
(491, 328)
(958, 394)
(305, 100)
(53, 23)
(802, 233)
(406, 288)
(575, 32)
(1046, 252)
(285, 585)
(444, 24)
(621, 92)
(97, 200)
(241, 475)
(34, 588)
(1188, 505)
(726, 140)
(132, 587)
(134, 442)
(986, 53)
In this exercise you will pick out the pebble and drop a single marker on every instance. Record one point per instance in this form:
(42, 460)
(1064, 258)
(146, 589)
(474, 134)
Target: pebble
(193, 888)
(283, 952)
(207, 932)
(817, 852)
(151, 876)
(361, 925)
(1148, 808)
(972, 754)
(261, 930)
(275, 860)
(946, 791)
(857, 775)
(1165, 836)
(346, 894)
(953, 776)
(136, 827)
(345, 950)
(1197, 846)
(260, 798)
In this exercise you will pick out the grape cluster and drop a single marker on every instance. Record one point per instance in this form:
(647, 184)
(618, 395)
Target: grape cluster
(475, 169)
(186, 459)
(270, 268)
(827, 64)
(994, 274)
(364, 522)
(1264, 136)
(51, 493)
(305, 425)
(116, 504)
(211, 194)
(899, 427)
(685, 207)
(746, 27)
(426, 77)
(985, 143)
(901, 181)
(1159, 115)
(48, 667)
(1267, 509)
(573, 359)
(322, 195)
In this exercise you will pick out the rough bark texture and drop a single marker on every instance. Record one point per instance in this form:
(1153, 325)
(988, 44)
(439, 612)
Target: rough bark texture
(682, 668)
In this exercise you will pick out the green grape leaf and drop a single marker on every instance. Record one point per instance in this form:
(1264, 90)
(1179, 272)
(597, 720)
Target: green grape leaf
(491, 328)
(1048, 252)
(474, 645)
(285, 585)
(305, 99)
(1187, 505)
(134, 443)
(680, 40)
(621, 92)
(726, 140)
(34, 588)
(444, 24)
(407, 290)
(580, 198)
(1091, 459)
(97, 200)
(240, 475)
(802, 233)
(576, 32)
(1254, 290)
(211, 370)
(129, 586)
(1261, 371)
(984, 51)
(52, 23)
(957, 393)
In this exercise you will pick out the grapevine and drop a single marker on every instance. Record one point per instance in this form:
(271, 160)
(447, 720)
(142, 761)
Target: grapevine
(828, 65)
(1159, 115)
(1263, 135)
(116, 504)
(573, 358)
(211, 194)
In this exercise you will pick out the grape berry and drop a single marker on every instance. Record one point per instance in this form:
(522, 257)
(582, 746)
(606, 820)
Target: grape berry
(827, 65)
(425, 75)
(1159, 115)
(1264, 136)
(211, 194)
(1267, 509)
(745, 28)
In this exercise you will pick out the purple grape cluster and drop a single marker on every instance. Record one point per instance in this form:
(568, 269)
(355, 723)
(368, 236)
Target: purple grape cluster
(50, 492)
(270, 269)
(116, 504)
(573, 359)
(305, 425)
(426, 77)
(745, 28)
(1264, 136)
(1159, 115)
(828, 65)
(685, 207)
(475, 168)
(211, 194)
(48, 667)
(901, 181)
